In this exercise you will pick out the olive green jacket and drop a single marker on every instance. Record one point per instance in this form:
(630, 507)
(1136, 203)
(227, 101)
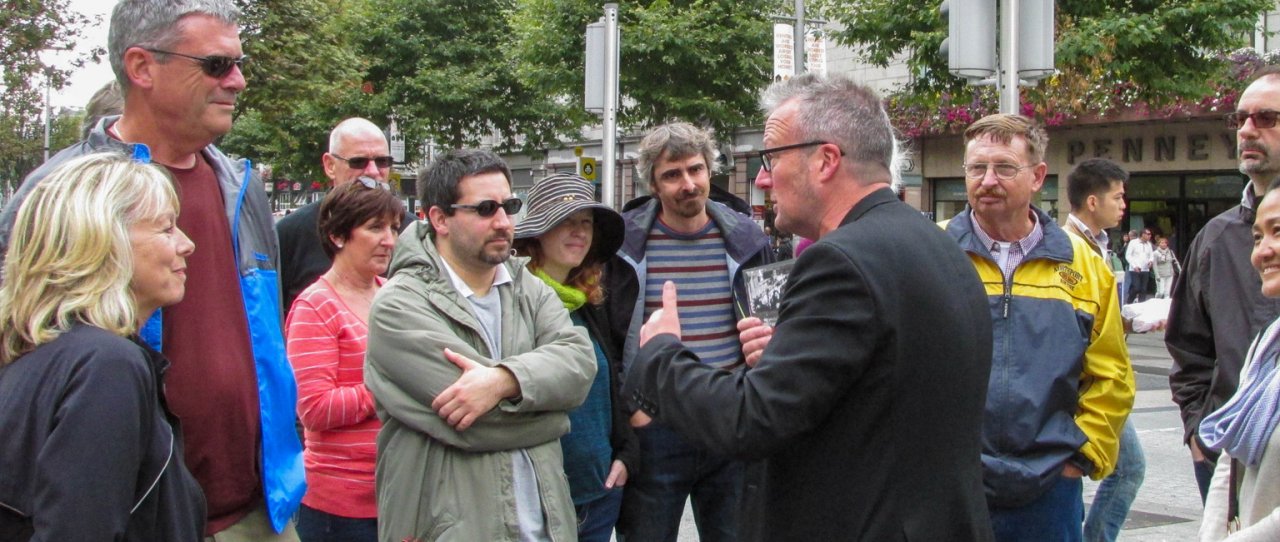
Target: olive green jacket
(437, 483)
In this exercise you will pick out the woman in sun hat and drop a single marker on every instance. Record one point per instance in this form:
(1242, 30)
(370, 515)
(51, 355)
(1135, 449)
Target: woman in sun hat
(569, 237)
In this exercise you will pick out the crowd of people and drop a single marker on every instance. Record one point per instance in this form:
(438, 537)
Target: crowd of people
(584, 373)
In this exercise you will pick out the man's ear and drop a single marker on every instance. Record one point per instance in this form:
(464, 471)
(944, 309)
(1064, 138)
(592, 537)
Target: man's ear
(138, 64)
(1091, 203)
(436, 215)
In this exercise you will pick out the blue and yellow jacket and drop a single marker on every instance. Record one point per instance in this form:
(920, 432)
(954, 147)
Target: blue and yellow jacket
(1061, 384)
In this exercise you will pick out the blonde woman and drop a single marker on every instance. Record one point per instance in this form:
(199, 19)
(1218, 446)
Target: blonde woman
(90, 450)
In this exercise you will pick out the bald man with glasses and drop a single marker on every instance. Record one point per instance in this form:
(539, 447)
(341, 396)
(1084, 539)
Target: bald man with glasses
(357, 149)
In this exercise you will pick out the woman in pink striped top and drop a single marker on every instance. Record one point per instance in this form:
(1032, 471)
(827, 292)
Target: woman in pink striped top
(327, 335)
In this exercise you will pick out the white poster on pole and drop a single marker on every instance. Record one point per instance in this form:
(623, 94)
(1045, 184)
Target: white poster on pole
(815, 45)
(783, 54)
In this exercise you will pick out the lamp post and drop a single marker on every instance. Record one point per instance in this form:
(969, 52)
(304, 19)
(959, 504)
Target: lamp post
(48, 108)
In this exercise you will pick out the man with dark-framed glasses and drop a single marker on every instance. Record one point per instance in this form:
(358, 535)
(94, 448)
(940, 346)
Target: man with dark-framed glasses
(474, 364)
(1061, 384)
(1218, 306)
(357, 148)
(178, 64)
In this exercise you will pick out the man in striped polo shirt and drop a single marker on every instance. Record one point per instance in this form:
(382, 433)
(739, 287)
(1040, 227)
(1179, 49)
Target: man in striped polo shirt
(702, 246)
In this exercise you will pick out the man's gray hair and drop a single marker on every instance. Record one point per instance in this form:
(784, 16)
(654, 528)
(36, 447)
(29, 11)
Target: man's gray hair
(154, 24)
(678, 140)
(351, 127)
(837, 110)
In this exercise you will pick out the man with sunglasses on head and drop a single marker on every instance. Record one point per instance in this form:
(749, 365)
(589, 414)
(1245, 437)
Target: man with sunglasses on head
(1218, 306)
(703, 246)
(179, 64)
(357, 148)
(474, 365)
(1061, 385)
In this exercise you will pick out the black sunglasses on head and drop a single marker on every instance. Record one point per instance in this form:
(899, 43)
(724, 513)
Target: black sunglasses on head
(1261, 120)
(361, 162)
(488, 208)
(213, 65)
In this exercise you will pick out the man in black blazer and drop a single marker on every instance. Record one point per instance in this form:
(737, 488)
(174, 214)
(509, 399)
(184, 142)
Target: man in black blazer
(864, 404)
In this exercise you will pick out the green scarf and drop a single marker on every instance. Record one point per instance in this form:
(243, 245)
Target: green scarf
(572, 298)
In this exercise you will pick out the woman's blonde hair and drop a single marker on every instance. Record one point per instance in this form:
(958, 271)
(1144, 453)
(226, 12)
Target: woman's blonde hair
(70, 259)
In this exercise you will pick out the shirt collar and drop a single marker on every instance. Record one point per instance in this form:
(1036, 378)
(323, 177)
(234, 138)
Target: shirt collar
(1026, 243)
(1102, 239)
(503, 276)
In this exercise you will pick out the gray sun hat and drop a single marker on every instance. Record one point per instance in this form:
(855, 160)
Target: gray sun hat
(554, 198)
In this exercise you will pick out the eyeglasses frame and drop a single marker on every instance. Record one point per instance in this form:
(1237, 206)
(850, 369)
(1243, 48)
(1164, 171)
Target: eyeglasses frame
(206, 62)
(518, 204)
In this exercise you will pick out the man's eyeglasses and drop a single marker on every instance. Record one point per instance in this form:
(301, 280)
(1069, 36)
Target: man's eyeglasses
(1004, 172)
(361, 162)
(215, 66)
(1261, 120)
(370, 182)
(488, 208)
(766, 161)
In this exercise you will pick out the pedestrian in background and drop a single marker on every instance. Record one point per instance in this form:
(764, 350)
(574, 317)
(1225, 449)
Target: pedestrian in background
(1139, 253)
(327, 332)
(568, 237)
(91, 450)
(1166, 267)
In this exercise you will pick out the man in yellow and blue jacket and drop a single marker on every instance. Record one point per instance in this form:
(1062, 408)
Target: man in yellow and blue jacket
(1061, 385)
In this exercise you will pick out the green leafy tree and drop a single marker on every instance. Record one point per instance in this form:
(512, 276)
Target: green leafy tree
(302, 78)
(1109, 55)
(703, 61)
(26, 29)
(445, 71)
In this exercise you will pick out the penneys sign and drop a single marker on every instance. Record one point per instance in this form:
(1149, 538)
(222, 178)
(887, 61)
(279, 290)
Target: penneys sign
(1136, 149)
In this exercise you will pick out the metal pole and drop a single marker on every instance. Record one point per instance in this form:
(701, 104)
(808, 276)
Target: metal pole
(797, 38)
(1008, 77)
(608, 181)
(46, 115)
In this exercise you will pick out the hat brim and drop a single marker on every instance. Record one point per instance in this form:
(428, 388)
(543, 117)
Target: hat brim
(608, 224)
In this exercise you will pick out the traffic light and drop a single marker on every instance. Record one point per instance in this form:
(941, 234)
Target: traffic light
(1035, 39)
(970, 46)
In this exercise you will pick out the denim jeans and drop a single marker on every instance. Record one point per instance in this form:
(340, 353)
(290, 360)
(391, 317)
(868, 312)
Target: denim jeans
(597, 518)
(317, 526)
(1116, 492)
(1054, 517)
(671, 471)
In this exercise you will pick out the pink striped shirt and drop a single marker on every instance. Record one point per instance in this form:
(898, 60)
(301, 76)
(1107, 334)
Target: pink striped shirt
(326, 345)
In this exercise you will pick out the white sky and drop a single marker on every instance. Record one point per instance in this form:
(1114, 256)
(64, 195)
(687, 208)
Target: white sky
(84, 81)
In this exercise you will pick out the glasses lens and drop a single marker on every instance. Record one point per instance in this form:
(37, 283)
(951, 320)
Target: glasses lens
(218, 66)
(359, 162)
(1006, 171)
(1233, 120)
(1265, 119)
(383, 162)
(765, 162)
(487, 208)
(512, 206)
(975, 171)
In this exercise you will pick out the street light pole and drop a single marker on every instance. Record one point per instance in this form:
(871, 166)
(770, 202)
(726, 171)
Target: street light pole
(47, 112)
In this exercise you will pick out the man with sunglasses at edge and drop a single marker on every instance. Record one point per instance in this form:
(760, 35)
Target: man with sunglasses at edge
(474, 365)
(179, 63)
(357, 148)
(682, 236)
(1061, 383)
(1218, 306)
